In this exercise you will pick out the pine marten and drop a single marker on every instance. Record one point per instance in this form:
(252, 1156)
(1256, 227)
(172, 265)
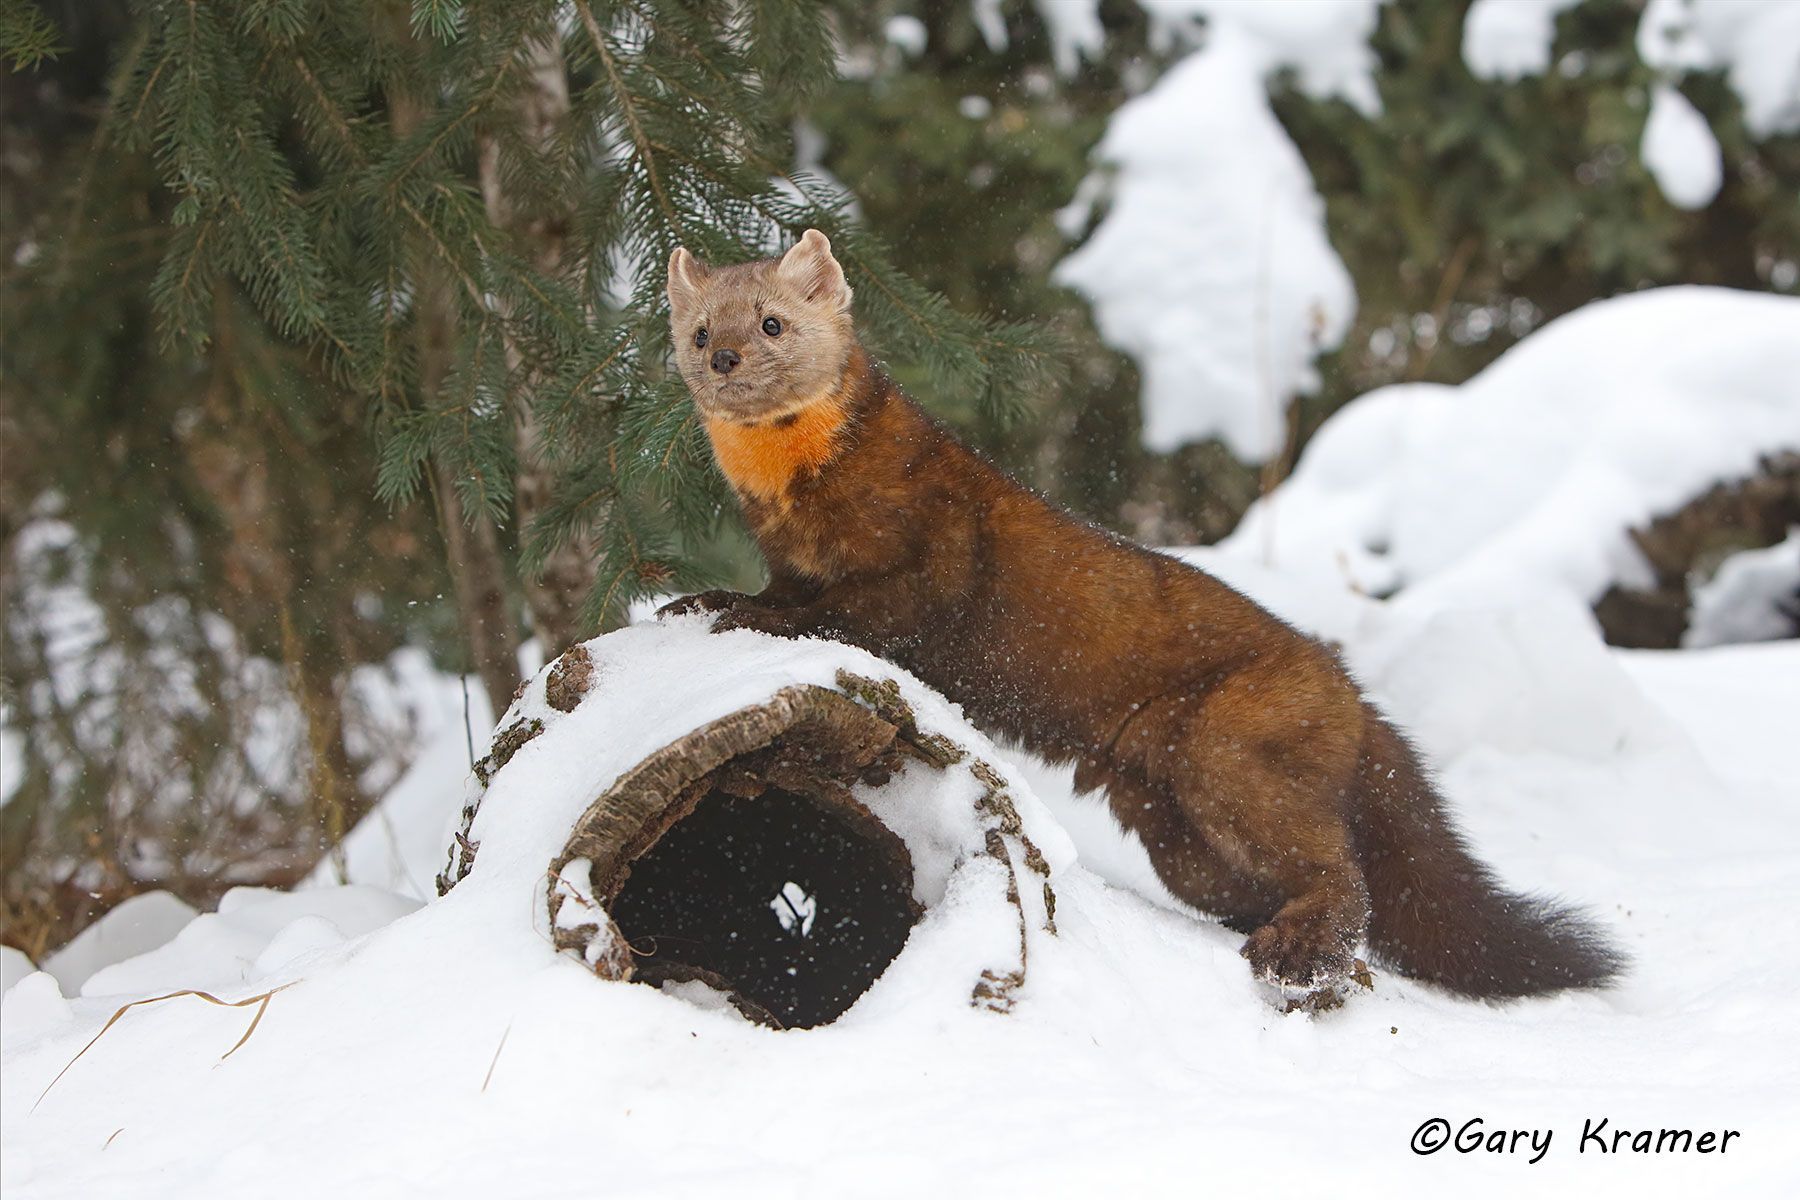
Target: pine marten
(1266, 789)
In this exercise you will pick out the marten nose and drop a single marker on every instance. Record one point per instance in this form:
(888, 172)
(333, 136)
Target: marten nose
(724, 360)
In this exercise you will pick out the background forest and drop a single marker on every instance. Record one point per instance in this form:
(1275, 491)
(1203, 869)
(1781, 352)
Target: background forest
(333, 341)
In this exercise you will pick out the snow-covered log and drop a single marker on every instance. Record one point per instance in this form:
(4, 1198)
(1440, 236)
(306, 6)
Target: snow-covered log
(763, 819)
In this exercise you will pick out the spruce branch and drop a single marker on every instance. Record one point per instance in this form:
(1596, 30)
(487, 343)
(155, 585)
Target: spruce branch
(27, 37)
(628, 109)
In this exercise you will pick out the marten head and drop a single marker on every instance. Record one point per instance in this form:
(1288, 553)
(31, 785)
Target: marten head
(761, 341)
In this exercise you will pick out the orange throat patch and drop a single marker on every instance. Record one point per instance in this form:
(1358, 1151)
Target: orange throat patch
(762, 461)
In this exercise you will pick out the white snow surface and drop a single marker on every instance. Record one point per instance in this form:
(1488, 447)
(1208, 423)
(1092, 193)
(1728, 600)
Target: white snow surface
(1524, 479)
(1754, 597)
(1211, 267)
(1510, 39)
(1680, 151)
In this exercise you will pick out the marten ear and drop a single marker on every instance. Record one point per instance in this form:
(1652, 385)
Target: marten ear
(685, 275)
(810, 269)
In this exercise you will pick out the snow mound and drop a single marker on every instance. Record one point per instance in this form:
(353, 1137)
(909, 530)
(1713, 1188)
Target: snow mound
(130, 928)
(1525, 479)
(1211, 267)
(255, 932)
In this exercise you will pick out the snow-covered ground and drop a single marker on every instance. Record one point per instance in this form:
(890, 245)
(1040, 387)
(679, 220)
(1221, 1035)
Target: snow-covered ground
(445, 1048)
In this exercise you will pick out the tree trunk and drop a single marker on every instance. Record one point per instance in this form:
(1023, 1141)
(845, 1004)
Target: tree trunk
(471, 547)
(473, 551)
(555, 595)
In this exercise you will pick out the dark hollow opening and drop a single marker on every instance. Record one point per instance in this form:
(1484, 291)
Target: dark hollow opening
(780, 899)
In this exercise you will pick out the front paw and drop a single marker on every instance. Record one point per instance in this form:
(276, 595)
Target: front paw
(750, 615)
(717, 600)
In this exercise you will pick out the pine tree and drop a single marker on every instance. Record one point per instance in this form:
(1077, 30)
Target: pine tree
(461, 210)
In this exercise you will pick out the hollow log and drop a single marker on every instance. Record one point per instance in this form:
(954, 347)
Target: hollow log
(746, 857)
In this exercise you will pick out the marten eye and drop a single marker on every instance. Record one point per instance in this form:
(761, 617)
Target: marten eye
(772, 326)
(700, 339)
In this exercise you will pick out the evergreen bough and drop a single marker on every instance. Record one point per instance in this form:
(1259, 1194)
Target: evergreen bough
(389, 187)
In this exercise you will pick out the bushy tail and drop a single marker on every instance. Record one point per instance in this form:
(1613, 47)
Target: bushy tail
(1441, 916)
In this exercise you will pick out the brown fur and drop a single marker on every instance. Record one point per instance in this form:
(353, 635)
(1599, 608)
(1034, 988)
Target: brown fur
(1264, 787)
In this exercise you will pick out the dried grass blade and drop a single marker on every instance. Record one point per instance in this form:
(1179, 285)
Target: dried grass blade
(261, 1000)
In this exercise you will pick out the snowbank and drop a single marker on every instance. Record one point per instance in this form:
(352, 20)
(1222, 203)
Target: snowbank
(400, 845)
(1212, 267)
(1523, 481)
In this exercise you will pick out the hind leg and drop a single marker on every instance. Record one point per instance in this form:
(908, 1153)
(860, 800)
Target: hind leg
(1264, 790)
(1192, 870)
